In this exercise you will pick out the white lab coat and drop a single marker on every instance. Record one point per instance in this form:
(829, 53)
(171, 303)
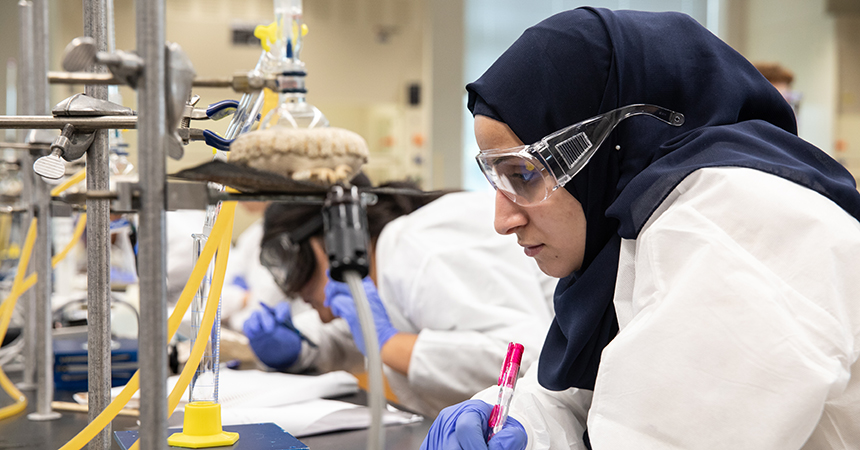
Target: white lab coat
(739, 315)
(446, 275)
(180, 226)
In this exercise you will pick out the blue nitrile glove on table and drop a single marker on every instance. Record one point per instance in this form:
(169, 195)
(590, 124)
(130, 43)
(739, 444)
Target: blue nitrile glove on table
(274, 343)
(339, 299)
(465, 426)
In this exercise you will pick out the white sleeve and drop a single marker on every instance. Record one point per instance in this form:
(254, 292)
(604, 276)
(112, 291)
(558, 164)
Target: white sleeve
(740, 333)
(552, 420)
(467, 317)
(335, 349)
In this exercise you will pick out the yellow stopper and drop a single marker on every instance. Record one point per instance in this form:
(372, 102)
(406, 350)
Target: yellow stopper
(267, 34)
(296, 31)
(201, 428)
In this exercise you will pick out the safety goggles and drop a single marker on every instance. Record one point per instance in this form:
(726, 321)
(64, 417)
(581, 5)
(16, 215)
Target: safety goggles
(281, 255)
(528, 174)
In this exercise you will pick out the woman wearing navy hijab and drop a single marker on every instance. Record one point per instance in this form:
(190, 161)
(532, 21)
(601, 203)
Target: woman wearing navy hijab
(708, 257)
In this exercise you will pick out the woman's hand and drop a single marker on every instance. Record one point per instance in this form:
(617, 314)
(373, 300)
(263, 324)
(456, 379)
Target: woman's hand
(466, 426)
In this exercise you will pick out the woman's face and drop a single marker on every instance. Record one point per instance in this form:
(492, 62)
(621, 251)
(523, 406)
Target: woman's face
(313, 292)
(553, 231)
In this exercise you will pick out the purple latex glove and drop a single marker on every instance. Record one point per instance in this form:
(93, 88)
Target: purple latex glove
(271, 338)
(339, 299)
(465, 426)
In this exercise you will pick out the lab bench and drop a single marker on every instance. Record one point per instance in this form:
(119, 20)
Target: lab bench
(20, 433)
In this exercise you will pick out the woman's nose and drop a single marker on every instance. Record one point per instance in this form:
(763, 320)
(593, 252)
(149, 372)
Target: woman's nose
(509, 215)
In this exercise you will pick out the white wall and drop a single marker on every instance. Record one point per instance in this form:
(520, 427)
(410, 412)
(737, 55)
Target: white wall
(848, 123)
(800, 35)
(360, 56)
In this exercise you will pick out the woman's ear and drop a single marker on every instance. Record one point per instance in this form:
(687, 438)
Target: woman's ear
(318, 246)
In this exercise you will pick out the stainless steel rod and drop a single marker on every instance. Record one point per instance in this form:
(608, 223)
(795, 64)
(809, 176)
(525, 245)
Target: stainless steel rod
(26, 105)
(57, 77)
(80, 123)
(110, 27)
(42, 250)
(41, 52)
(82, 78)
(98, 244)
(213, 82)
(44, 342)
(149, 16)
(20, 146)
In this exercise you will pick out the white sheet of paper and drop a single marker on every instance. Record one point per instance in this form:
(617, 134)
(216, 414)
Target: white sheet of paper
(293, 402)
(262, 389)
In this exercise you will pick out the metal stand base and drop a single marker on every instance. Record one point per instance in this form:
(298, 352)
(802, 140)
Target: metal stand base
(39, 417)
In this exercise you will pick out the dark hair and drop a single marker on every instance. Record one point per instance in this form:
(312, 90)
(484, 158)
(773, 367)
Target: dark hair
(282, 218)
(774, 72)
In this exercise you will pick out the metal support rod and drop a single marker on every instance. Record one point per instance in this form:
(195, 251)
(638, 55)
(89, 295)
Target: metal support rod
(80, 123)
(213, 82)
(110, 28)
(44, 343)
(153, 291)
(42, 249)
(98, 244)
(41, 52)
(55, 77)
(21, 146)
(82, 78)
(26, 105)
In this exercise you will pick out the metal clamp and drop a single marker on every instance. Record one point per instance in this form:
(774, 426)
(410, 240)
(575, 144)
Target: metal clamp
(68, 146)
(82, 52)
(127, 67)
(346, 232)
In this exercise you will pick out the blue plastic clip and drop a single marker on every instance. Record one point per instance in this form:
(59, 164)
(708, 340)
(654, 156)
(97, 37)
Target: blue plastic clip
(222, 109)
(213, 140)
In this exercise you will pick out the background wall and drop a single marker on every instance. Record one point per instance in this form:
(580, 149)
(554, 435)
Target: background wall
(801, 36)
(361, 57)
(847, 146)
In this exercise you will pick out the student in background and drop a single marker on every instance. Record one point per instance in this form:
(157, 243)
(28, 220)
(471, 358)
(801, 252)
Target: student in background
(447, 295)
(781, 78)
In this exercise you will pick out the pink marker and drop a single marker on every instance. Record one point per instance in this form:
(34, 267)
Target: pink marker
(507, 382)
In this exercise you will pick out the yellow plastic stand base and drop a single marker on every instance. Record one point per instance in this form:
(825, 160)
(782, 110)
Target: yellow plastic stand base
(201, 428)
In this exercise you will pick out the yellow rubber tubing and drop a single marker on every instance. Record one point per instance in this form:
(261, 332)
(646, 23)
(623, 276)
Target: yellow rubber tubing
(8, 304)
(209, 314)
(71, 181)
(20, 404)
(111, 411)
(6, 309)
(32, 278)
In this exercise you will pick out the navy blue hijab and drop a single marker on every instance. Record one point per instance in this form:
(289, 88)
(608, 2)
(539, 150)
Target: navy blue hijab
(588, 61)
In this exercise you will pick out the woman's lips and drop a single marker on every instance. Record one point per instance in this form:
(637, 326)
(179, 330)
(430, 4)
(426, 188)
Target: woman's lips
(533, 250)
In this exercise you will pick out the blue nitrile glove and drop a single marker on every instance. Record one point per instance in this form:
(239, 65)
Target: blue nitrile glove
(273, 342)
(465, 426)
(339, 299)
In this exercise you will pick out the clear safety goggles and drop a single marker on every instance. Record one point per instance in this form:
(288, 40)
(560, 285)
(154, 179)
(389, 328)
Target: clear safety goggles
(528, 174)
(281, 255)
